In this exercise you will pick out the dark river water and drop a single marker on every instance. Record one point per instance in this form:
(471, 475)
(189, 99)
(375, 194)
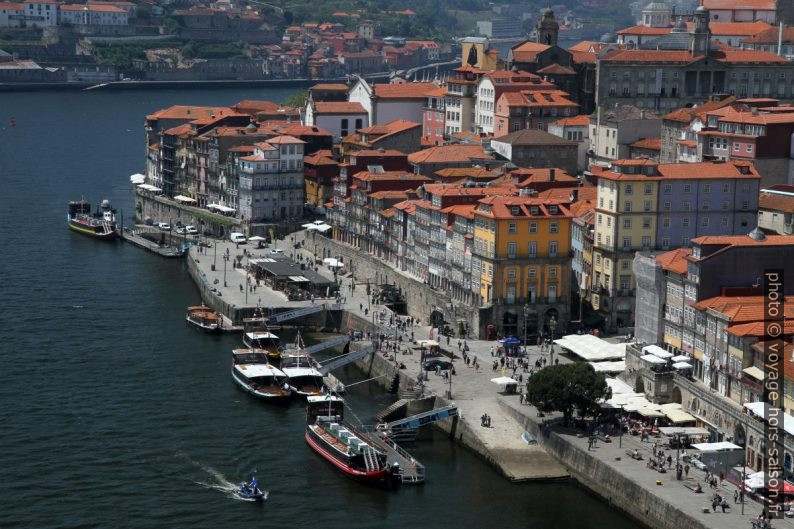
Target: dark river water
(114, 414)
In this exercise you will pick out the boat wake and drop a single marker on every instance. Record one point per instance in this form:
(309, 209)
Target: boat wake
(219, 482)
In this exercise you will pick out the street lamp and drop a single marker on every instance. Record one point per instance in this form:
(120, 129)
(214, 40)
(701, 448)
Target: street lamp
(526, 322)
(552, 328)
(225, 260)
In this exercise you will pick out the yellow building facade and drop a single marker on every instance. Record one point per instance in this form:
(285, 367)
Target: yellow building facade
(522, 248)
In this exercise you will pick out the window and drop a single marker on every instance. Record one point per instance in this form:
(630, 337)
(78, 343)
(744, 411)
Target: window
(532, 273)
(707, 188)
(646, 241)
(553, 249)
(533, 227)
(704, 222)
(665, 243)
(749, 148)
(626, 243)
(554, 227)
(533, 249)
(627, 206)
(667, 206)
(359, 123)
(725, 205)
(685, 222)
(511, 250)
(609, 222)
(745, 204)
(599, 219)
(624, 264)
(553, 272)
(646, 222)
(684, 241)
(511, 228)
(687, 205)
(668, 188)
(687, 188)
(511, 273)
(724, 222)
(726, 188)
(627, 223)
(646, 206)
(706, 205)
(629, 189)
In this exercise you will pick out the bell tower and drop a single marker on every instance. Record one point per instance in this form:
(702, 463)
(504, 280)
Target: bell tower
(700, 35)
(547, 29)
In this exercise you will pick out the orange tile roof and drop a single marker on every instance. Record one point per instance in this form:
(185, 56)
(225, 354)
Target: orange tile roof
(557, 69)
(12, 6)
(322, 157)
(651, 144)
(461, 210)
(338, 107)
(337, 87)
(732, 55)
(528, 51)
(398, 125)
(742, 240)
(189, 112)
(409, 206)
(404, 90)
(664, 56)
(768, 5)
(679, 170)
(501, 207)
(286, 139)
(770, 36)
(389, 194)
(645, 30)
(367, 176)
(758, 328)
(528, 177)
(179, 130)
(582, 57)
(564, 193)
(687, 114)
(576, 121)
(456, 190)
(579, 208)
(674, 261)
(776, 202)
(448, 153)
(585, 46)
(376, 153)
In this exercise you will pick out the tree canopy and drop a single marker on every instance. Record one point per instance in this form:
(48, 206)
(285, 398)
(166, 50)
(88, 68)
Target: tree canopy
(567, 388)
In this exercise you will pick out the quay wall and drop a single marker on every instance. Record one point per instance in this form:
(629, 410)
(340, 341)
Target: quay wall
(600, 478)
(421, 300)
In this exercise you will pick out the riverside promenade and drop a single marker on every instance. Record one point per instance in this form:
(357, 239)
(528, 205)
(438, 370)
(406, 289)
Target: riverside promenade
(606, 469)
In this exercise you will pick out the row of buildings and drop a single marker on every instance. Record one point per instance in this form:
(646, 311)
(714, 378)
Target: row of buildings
(47, 13)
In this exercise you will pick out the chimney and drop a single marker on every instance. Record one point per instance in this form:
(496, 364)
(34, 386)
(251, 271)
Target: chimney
(574, 195)
(552, 172)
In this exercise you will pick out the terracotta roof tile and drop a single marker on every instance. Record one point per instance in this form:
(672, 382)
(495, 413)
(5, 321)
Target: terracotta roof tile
(404, 90)
(651, 144)
(776, 202)
(338, 107)
(674, 261)
(768, 5)
(576, 121)
(448, 153)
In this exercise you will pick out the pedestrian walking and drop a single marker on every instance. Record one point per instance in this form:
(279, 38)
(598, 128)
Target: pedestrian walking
(735, 496)
(686, 470)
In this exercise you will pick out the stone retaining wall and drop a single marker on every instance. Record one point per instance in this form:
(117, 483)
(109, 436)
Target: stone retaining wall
(598, 477)
(421, 300)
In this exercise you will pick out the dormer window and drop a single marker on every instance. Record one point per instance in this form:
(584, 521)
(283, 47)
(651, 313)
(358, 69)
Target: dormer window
(515, 210)
(553, 210)
(534, 210)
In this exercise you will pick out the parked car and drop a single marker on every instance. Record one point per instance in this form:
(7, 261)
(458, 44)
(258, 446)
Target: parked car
(278, 251)
(430, 365)
(191, 230)
(238, 237)
(180, 230)
(164, 226)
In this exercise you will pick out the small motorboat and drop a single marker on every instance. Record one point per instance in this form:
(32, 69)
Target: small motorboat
(251, 492)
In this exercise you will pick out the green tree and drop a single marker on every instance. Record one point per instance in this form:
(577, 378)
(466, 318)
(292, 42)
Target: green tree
(142, 12)
(297, 99)
(567, 388)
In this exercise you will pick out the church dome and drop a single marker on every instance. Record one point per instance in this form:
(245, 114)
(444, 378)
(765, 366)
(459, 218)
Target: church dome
(757, 235)
(680, 26)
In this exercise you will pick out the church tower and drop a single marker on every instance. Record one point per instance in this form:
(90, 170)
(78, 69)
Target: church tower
(700, 35)
(547, 29)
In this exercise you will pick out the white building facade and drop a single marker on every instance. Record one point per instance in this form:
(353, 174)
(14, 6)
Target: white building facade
(271, 185)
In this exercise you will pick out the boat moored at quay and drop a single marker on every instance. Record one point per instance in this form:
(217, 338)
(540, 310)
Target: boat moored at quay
(204, 318)
(252, 372)
(344, 447)
(303, 376)
(99, 225)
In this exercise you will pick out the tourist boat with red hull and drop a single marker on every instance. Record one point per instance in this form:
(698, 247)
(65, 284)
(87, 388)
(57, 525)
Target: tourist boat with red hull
(345, 447)
(99, 225)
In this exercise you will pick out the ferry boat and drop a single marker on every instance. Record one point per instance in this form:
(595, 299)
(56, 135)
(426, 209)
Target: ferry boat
(345, 447)
(301, 370)
(204, 318)
(99, 225)
(331, 383)
(264, 340)
(252, 372)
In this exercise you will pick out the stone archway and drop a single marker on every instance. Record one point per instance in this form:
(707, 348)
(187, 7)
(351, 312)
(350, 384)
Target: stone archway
(676, 395)
(639, 385)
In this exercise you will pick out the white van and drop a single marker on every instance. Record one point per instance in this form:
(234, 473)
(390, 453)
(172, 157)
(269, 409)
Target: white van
(238, 237)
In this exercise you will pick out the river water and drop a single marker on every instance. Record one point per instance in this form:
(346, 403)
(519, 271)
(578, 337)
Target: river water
(114, 413)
